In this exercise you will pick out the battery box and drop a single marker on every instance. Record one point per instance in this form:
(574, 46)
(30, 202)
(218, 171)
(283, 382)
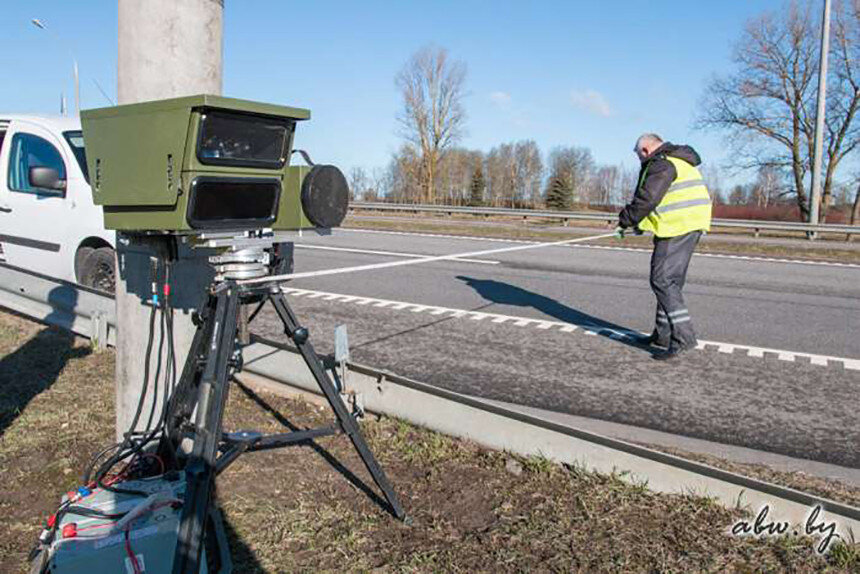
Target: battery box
(147, 531)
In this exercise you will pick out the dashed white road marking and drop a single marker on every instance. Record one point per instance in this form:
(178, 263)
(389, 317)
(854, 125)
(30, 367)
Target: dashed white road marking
(613, 248)
(592, 330)
(387, 253)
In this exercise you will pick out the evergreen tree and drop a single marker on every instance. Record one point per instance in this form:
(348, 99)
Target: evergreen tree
(558, 195)
(476, 188)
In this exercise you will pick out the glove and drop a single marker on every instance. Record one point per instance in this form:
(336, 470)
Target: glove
(619, 232)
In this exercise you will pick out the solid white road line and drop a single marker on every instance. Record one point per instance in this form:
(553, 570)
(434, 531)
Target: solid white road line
(387, 253)
(727, 348)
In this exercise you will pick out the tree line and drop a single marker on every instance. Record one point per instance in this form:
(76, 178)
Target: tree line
(515, 174)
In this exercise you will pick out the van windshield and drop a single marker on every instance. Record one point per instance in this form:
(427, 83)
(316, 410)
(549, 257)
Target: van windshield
(76, 142)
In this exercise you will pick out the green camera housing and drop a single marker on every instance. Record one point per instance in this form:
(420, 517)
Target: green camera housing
(206, 163)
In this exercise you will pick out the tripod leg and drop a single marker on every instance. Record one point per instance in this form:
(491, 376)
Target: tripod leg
(181, 404)
(212, 397)
(299, 336)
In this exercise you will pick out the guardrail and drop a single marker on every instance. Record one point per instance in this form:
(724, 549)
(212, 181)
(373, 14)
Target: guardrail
(281, 369)
(756, 226)
(84, 311)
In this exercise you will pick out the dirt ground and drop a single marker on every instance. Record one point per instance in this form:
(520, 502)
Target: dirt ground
(311, 509)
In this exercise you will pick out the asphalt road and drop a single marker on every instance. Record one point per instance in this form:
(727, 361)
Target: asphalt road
(788, 407)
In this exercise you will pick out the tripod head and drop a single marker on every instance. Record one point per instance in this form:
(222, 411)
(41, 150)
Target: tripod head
(247, 255)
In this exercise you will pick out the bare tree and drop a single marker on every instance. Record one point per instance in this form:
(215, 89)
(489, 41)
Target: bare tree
(625, 185)
(738, 196)
(768, 105)
(528, 170)
(456, 169)
(605, 184)
(768, 186)
(432, 118)
(358, 183)
(403, 177)
(574, 166)
(501, 175)
(379, 186)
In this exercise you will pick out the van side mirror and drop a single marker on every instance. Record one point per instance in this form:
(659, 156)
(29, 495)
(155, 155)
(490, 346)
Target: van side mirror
(47, 178)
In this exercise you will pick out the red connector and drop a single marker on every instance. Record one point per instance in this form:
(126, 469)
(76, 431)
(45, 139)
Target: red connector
(70, 530)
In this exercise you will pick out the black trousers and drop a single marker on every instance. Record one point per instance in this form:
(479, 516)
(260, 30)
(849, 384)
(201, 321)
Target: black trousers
(669, 262)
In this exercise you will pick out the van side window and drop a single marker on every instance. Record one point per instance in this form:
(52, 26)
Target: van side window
(31, 151)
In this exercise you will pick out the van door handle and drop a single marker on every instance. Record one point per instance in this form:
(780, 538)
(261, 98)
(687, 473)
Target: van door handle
(5, 208)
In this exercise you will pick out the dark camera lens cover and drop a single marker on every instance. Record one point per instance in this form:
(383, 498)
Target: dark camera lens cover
(242, 141)
(232, 203)
(325, 196)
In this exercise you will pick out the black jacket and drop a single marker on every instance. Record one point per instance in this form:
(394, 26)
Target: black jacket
(659, 173)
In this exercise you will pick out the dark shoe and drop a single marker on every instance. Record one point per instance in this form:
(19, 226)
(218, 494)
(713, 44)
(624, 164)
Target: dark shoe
(646, 340)
(670, 354)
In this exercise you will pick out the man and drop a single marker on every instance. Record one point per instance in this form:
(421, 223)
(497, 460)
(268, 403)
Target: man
(672, 202)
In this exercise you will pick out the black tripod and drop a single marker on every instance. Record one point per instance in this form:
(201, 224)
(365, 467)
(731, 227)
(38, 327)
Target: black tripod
(203, 385)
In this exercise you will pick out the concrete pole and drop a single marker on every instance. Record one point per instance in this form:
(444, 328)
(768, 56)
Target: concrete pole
(815, 195)
(167, 48)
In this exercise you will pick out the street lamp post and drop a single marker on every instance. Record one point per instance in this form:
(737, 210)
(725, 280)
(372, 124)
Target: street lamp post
(42, 26)
(815, 195)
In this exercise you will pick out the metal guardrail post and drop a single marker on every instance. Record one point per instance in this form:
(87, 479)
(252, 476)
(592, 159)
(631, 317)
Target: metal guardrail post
(98, 330)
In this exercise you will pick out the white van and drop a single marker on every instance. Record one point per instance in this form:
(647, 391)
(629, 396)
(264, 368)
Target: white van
(48, 223)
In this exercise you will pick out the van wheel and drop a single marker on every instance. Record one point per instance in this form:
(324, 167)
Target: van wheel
(98, 270)
(81, 256)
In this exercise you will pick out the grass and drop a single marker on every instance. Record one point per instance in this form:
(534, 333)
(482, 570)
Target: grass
(732, 242)
(305, 509)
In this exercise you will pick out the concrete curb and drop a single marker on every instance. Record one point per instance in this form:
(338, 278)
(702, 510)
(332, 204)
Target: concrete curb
(280, 369)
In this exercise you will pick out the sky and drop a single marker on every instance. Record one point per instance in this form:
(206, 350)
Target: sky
(594, 74)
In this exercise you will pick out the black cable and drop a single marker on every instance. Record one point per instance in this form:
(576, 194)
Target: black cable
(305, 156)
(148, 356)
(157, 375)
(128, 446)
(92, 464)
(171, 344)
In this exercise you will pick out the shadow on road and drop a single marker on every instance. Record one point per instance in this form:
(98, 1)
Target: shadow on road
(413, 329)
(507, 294)
(34, 366)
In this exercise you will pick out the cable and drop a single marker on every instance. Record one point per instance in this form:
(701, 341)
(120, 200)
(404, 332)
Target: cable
(374, 266)
(132, 558)
(157, 375)
(129, 447)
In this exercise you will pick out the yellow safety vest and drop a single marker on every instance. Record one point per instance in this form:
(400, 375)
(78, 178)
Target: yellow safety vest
(686, 206)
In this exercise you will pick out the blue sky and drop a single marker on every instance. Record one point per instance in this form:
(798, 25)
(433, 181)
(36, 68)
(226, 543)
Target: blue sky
(593, 74)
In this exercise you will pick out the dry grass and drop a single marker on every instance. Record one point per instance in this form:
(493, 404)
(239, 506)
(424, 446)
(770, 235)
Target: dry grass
(826, 488)
(306, 509)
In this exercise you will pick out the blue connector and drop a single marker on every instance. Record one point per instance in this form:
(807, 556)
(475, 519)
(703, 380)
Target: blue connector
(84, 491)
